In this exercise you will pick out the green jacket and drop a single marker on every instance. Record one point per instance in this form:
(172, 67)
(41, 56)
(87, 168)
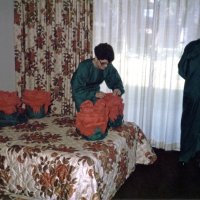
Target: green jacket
(86, 80)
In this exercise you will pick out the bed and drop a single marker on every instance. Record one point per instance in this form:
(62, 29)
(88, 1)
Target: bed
(47, 159)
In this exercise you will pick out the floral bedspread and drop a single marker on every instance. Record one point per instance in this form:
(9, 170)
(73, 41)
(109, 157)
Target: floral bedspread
(47, 159)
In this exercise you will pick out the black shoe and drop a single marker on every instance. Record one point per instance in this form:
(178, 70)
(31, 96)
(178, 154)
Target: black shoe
(182, 164)
(197, 160)
(197, 164)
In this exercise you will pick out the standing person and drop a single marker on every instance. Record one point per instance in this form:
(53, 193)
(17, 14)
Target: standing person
(189, 69)
(86, 80)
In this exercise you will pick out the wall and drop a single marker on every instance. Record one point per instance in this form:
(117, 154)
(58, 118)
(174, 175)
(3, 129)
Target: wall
(7, 68)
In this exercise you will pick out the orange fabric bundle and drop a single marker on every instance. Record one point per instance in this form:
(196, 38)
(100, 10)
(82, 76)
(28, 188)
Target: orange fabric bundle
(115, 105)
(9, 101)
(36, 99)
(91, 117)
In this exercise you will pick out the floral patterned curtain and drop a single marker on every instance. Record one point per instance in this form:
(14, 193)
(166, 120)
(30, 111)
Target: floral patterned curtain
(51, 38)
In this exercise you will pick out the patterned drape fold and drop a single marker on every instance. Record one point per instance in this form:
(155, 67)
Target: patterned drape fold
(51, 38)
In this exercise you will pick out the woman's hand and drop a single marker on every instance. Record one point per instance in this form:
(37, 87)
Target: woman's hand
(116, 92)
(100, 95)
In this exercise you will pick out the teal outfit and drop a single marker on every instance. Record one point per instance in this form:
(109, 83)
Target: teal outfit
(189, 69)
(86, 80)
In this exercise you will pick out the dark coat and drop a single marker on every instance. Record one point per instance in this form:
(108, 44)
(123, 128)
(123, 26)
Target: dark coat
(189, 69)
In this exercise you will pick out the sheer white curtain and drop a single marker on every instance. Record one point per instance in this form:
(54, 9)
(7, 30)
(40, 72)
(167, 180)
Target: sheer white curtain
(148, 37)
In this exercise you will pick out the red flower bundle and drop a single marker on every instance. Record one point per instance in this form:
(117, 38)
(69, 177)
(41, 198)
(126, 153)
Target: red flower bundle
(9, 102)
(37, 102)
(92, 118)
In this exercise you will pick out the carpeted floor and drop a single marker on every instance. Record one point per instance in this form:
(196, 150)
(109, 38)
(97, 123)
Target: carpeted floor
(162, 180)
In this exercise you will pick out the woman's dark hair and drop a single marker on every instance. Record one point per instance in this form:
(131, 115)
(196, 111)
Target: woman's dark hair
(104, 51)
